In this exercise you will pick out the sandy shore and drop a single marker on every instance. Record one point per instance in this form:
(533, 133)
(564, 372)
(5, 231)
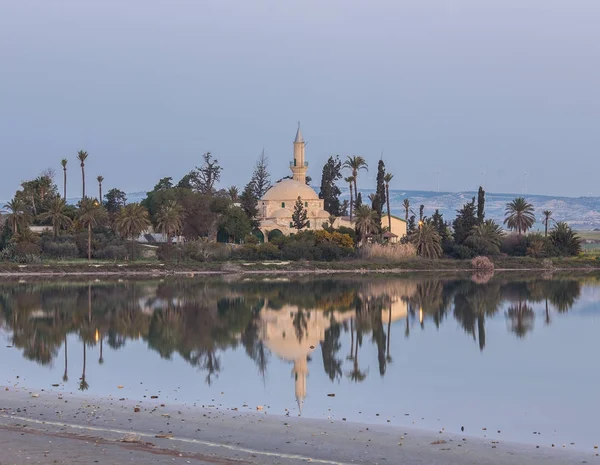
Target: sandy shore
(39, 427)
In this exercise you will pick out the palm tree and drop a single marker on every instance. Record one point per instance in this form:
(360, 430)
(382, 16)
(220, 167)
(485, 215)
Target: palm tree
(387, 179)
(63, 163)
(355, 164)
(366, 222)
(56, 214)
(233, 193)
(547, 217)
(350, 181)
(132, 220)
(519, 215)
(428, 241)
(565, 240)
(169, 219)
(486, 238)
(90, 214)
(18, 216)
(406, 205)
(82, 156)
(100, 179)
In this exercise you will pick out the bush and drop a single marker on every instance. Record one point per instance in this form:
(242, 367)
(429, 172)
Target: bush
(514, 245)
(268, 251)
(114, 252)
(204, 251)
(244, 252)
(27, 248)
(482, 264)
(392, 252)
(300, 250)
(349, 231)
(11, 254)
(251, 239)
(462, 252)
(59, 250)
(547, 264)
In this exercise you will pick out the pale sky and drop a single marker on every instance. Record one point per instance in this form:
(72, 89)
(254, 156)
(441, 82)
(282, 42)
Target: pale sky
(505, 87)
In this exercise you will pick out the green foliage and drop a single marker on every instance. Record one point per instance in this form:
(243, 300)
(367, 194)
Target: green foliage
(261, 179)
(115, 200)
(235, 224)
(249, 203)
(519, 215)
(65, 248)
(366, 222)
(56, 215)
(380, 196)
(564, 240)
(268, 251)
(515, 245)
(132, 220)
(464, 222)
(330, 192)
(485, 238)
(480, 205)
(427, 241)
(300, 215)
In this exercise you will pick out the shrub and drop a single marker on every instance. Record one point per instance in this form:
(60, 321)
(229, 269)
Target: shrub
(244, 252)
(204, 251)
(268, 251)
(388, 251)
(515, 245)
(349, 231)
(462, 252)
(27, 248)
(482, 263)
(251, 239)
(300, 250)
(59, 250)
(114, 252)
(547, 264)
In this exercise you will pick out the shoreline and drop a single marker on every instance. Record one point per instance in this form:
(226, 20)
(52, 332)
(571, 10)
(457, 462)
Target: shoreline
(197, 434)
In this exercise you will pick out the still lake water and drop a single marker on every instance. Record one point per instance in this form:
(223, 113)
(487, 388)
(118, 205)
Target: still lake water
(514, 354)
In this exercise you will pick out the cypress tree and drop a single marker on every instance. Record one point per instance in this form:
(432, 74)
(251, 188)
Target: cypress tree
(300, 215)
(249, 203)
(330, 192)
(480, 205)
(464, 222)
(379, 200)
(261, 179)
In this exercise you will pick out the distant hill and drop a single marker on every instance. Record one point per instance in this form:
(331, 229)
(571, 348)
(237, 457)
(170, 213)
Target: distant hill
(582, 213)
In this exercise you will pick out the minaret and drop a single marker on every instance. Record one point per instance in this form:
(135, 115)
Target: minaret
(300, 372)
(299, 166)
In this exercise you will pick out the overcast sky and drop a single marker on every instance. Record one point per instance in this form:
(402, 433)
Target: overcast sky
(505, 87)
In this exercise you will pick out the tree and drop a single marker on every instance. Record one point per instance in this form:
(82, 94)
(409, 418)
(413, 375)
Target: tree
(485, 238)
(300, 215)
(379, 200)
(387, 179)
(236, 224)
(261, 179)
(82, 156)
(355, 164)
(437, 220)
(100, 179)
(249, 204)
(169, 219)
(427, 241)
(57, 215)
(358, 201)
(17, 217)
(519, 215)
(350, 181)
(115, 200)
(547, 217)
(366, 222)
(480, 205)
(233, 193)
(330, 192)
(406, 205)
(90, 214)
(207, 175)
(464, 222)
(132, 220)
(564, 240)
(63, 163)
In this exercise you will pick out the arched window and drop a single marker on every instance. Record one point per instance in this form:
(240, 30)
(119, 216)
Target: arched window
(294, 162)
(282, 204)
(306, 204)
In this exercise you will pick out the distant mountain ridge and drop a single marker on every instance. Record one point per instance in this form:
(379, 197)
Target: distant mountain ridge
(582, 213)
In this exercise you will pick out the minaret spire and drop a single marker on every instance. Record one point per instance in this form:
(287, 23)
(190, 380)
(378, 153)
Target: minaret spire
(299, 167)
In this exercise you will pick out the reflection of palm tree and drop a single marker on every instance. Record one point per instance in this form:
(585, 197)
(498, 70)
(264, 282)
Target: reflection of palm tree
(351, 354)
(83, 385)
(66, 374)
(388, 356)
(547, 313)
(356, 374)
(521, 318)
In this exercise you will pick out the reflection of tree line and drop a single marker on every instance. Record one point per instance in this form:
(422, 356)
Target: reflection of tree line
(197, 320)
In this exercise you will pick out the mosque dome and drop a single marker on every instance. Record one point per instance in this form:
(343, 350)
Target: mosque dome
(290, 190)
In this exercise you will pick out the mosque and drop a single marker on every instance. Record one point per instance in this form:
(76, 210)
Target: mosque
(277, 205)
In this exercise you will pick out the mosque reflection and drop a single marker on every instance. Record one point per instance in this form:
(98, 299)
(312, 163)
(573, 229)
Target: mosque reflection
(198, 320)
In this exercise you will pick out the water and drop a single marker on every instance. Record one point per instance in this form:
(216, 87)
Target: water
(504, 356)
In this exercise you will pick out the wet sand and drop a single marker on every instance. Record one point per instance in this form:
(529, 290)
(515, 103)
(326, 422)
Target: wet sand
(38, 427)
